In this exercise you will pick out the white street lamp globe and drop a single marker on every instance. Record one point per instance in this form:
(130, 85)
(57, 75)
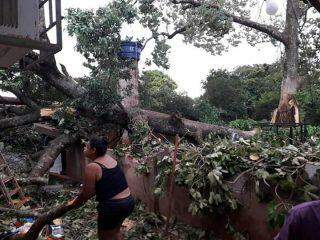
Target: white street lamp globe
(272, 7)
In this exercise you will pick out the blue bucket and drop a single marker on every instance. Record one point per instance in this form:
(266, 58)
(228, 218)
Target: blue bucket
(130, 50)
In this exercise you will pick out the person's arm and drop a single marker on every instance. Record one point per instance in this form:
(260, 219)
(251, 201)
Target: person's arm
(88, 188)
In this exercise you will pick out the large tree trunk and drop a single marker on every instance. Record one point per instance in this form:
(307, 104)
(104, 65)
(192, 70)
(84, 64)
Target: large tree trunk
(128, 88)
(71, 88)
(172, 125)
(291, 80)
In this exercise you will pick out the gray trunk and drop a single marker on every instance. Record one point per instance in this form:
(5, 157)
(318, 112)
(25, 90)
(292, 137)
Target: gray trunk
(291, 81)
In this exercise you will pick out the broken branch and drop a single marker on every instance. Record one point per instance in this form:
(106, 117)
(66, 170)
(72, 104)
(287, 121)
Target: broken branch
(33, 181)
(43, 220)
(20, 120)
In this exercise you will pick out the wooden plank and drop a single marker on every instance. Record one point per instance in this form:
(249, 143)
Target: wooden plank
(46, 112)
(47, 130)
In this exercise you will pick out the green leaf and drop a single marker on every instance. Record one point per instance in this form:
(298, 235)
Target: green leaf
(212, 178)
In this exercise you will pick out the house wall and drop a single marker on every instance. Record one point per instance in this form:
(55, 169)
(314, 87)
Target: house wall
(27, 18)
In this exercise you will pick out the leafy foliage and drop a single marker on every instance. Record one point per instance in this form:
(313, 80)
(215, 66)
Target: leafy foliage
(243, 124)
(158, 92)
(208, 170)
(246, 92)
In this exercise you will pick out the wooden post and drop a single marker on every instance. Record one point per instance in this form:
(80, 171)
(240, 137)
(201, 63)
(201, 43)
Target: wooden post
(171, 183)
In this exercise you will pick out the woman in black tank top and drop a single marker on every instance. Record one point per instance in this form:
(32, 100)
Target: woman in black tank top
(105, 179)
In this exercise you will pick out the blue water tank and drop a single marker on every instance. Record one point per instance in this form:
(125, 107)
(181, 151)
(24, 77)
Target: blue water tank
(130, 50)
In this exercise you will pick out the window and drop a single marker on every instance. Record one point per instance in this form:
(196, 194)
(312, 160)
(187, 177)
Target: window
(9, 13)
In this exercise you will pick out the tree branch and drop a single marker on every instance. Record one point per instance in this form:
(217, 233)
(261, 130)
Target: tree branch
(168, 124)
(17, 110)
(25, 99)
(168, 35)
(20, 120)
(43, 220)
(176, 32)
(49, 72)
(264, 28)
(33, 181)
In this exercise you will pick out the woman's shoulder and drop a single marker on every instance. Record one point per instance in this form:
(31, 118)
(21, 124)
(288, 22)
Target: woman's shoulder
(93, 166)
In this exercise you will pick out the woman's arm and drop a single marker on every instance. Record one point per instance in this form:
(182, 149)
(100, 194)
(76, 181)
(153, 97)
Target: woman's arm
(88, 188)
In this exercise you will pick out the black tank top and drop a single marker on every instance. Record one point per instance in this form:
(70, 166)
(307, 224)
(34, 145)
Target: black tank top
(111, 183)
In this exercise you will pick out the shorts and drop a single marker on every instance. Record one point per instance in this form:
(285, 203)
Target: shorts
(112, 213)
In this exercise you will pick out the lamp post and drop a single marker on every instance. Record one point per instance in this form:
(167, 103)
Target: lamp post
(271, 7)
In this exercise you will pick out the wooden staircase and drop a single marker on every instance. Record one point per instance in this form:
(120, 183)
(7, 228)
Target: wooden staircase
(10, 190)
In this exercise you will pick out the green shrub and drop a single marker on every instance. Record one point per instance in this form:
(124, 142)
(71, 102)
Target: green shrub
(243, 124)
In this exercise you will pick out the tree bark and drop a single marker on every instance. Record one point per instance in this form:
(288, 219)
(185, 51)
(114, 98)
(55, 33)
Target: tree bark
(119, 116)
(43, 220)
(291, 82)
(25, 99)
(20, 120)
(50, 73)
(17, 110)
(172, 125)
(50, 154)
(33, 181)
(10, 100)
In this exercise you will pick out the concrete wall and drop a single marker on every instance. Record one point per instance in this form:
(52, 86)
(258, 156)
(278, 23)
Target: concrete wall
(251, 218)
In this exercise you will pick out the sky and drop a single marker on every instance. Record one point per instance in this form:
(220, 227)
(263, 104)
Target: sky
(189, 65)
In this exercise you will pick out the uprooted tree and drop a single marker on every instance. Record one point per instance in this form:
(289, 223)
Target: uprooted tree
(108, 95)
(103, 95)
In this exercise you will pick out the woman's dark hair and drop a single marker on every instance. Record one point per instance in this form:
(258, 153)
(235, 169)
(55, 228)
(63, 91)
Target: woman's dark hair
(100, 144)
